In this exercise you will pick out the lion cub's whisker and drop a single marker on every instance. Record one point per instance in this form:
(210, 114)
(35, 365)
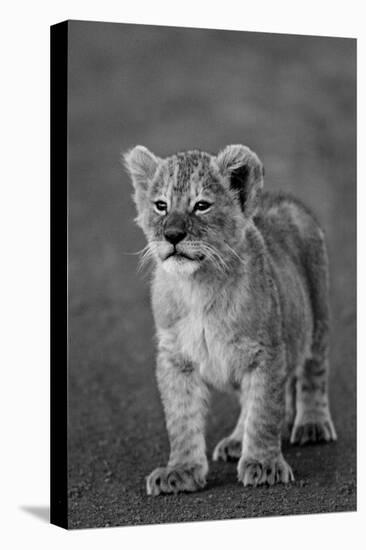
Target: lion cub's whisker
(136, 253)
(234, 253)
(147, 255)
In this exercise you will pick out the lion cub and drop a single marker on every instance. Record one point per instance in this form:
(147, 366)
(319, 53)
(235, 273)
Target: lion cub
(240, 300)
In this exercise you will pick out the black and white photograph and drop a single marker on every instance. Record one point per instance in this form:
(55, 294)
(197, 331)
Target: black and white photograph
(203, 192)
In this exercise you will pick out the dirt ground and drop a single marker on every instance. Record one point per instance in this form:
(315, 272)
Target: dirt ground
(292, 100)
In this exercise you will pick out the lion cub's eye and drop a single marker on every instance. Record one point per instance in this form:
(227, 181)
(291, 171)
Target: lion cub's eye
(202, 206)
(161, 207)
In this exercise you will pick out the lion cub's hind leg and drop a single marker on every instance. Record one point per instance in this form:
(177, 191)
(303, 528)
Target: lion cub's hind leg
(229, 448)
(290, 405)
(313, 422)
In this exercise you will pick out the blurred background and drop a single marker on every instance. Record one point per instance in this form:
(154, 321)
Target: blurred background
(292, 100)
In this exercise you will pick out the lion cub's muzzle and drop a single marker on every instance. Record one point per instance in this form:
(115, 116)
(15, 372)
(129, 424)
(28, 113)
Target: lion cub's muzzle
(175, 228)
(176, 249)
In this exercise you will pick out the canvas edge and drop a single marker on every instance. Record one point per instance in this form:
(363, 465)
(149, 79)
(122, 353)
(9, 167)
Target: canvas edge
(59, 270)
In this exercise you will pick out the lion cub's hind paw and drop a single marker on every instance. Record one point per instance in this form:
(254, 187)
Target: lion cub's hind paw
(256, 472)
(227, 449)
(175, 479)
(319, 431)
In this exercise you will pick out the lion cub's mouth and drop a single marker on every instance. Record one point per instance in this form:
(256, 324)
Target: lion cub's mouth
(181, 256)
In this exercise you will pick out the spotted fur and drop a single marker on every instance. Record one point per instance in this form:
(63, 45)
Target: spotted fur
(240, 301)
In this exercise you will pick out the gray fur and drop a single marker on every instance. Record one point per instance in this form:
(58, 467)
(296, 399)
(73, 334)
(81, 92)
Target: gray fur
(242, 307)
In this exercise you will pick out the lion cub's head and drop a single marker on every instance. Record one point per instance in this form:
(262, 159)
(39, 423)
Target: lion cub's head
(193, 207)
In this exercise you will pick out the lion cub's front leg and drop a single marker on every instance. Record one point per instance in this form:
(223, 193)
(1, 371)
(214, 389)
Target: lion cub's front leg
(262, 461)
(184, 399)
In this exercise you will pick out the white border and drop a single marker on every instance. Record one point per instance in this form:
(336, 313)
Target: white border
(25, 268)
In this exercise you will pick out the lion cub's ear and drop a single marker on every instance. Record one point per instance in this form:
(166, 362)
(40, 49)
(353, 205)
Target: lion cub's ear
(141, 164)
(245, 173)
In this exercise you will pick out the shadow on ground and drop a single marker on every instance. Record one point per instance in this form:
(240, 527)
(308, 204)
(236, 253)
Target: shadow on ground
(40, 512)
(292, 100)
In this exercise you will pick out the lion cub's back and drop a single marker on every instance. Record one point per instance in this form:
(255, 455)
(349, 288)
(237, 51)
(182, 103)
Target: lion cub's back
(286, 222)
(295, 243)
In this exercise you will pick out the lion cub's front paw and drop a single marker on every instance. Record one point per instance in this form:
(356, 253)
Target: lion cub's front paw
(176, 479)
(227, 449)
(260, 472)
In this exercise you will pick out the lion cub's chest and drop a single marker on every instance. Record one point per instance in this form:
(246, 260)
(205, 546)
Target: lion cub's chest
(201, 339)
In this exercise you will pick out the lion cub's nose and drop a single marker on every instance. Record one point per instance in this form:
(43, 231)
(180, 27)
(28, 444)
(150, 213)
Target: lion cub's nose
(175, 229)
(174, 235)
